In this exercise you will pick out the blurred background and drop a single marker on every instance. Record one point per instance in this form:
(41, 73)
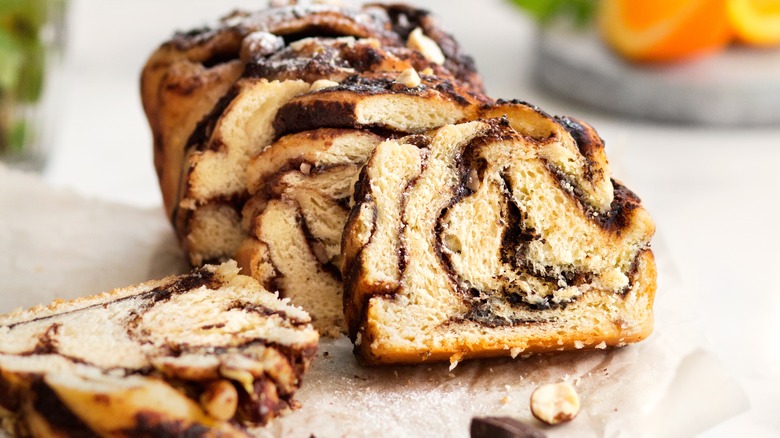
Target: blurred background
(690, 115)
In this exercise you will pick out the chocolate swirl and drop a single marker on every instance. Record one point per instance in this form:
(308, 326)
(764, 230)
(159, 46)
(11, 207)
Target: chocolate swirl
(98, 365)
(510, 225)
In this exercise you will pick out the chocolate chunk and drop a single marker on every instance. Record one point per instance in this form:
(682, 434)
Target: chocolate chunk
(502, 427)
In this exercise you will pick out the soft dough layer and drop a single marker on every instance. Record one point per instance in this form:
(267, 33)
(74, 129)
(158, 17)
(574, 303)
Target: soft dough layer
(300, 185)
(211, 95)
(492, 238)
(219, 349)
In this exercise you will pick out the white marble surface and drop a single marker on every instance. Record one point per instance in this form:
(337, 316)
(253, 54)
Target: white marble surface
(712, 191)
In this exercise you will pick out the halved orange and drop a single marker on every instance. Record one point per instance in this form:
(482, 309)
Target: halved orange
(756, 21)
(664, 30)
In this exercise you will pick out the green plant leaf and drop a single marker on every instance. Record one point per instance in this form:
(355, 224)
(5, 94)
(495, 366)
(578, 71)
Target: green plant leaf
(11, 60)
(545, 11)
(24, 18)
(31, 73)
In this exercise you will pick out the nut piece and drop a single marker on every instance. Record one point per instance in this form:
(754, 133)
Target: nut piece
(220, 400)
(555, 403)
(409, 77)
(319, 84)
(428, 47)
(259, 44)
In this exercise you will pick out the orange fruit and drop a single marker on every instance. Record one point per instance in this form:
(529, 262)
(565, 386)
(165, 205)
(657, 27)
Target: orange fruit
(756, 21)
(664, 30)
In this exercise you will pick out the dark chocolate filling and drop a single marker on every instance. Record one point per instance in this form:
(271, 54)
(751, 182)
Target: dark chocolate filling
(61, 419)
(502, 427)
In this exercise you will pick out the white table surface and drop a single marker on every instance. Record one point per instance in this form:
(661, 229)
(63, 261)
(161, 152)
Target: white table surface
(713, 192)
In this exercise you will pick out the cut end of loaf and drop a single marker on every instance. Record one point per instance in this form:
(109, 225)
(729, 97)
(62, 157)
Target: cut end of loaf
(485, 242)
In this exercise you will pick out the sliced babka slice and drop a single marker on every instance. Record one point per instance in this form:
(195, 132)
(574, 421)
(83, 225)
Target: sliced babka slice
(301, 184)
(209, 93)
(202, 353)
(492, 238)
(296, 218)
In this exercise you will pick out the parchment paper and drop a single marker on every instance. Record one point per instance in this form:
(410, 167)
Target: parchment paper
(56, 244)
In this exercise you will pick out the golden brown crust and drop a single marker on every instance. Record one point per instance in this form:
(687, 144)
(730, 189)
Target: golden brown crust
(177, 91)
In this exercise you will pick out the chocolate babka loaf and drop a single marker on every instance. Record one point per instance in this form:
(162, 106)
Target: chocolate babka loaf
(201, 354)
(495, 237)
(211, 97)
(263, 122)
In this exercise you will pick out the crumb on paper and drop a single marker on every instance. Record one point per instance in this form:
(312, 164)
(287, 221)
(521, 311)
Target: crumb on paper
(505, 399)
(455, 360)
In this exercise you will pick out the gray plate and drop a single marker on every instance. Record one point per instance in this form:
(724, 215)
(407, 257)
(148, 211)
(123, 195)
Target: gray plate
(737, 87)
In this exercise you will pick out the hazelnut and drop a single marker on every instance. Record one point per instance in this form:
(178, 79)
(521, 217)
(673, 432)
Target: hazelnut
(473, 183)
(320, 252)
(409, 77)
(260, 44)
(220, 400)
(555, 403)
(319, 84)
(430, 50)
